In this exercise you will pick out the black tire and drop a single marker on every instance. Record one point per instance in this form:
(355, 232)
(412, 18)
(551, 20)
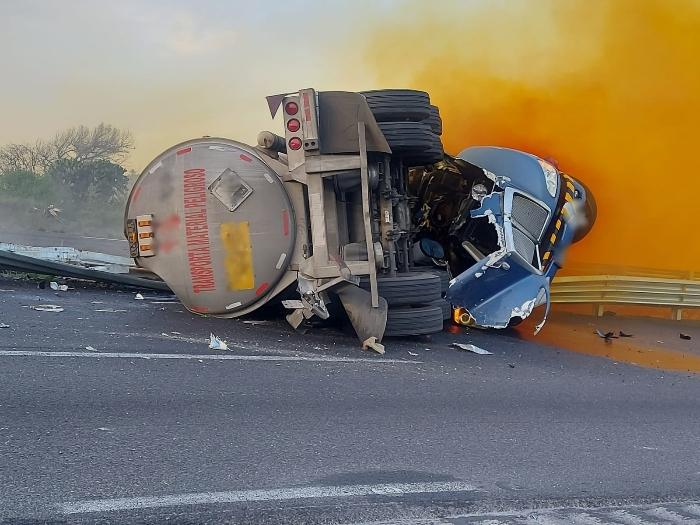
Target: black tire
(407, 321)
(414, 142)
(434, 120)
(407, 288)
(398, 104)
(444, 278)
(446, 308)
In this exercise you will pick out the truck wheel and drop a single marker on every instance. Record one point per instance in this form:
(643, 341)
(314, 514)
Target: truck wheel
(398, 104)
(407, 288)
(446, 308)
(434, 120)
(442, 274)
(414, 142)
(407, 321)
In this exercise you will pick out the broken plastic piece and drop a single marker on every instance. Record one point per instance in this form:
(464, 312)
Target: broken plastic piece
(217, 344)
(685, 337)
(91, 348)
(371, 344)
(59, 287)
(412, 353)
(472, 348)
(3, 325)
(138, 297)
(47, 308)
(623, 334)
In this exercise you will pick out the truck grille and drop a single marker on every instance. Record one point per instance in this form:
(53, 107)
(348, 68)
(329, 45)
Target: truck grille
(530, 216)
(524, 245)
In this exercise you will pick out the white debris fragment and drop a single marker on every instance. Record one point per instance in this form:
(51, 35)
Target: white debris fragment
(110, 310)
(47, 308)
(138, 297)
(58, 287)
(254, 323)
(91, 348)
(412, 353)
(3, 325)
(472, 348)
(217, 344)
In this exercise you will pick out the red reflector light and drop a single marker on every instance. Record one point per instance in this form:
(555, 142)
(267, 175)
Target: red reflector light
(295, 143)
(291, 108)
(293, 125)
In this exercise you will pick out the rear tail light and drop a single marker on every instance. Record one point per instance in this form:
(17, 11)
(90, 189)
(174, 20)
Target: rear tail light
(295, 143)
(293, 125)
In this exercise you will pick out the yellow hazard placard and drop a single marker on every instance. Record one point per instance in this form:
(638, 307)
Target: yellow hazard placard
(235, 237)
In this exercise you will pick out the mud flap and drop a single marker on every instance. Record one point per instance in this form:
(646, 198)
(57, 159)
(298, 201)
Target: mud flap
(366, 320)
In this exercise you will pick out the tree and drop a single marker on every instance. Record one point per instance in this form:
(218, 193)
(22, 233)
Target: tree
(86, 179)
(101, 143)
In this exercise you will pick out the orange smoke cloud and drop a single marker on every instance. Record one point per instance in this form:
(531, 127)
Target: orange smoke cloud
(609, 89)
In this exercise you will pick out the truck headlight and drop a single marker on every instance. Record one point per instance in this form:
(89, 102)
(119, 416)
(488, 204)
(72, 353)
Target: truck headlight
(551, 176)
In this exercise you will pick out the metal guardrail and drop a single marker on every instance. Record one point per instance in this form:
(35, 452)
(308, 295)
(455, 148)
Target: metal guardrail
(619, 289)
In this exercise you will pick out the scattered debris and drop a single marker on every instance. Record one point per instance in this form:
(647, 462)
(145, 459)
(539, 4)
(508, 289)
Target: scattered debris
(91, 348)
(685, 336)
(58, 287)
(623, 334)
(472, 348)
(511, 365)
(255, 322)
(217, 344)
(3, 325)
(47, 308)
(176, 333)
(371, 343)
(412, 353)
(138, 297)
(104, 429)
(608, 336)
(110, 310)
(5, 290)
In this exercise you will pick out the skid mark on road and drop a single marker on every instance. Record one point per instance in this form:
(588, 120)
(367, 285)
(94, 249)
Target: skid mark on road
(201, 357)
(245, 496)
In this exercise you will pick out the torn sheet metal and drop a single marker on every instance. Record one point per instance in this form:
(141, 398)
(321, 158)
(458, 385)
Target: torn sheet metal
(64, 254)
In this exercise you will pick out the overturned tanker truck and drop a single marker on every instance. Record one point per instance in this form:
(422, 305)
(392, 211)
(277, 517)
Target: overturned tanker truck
(358, 206)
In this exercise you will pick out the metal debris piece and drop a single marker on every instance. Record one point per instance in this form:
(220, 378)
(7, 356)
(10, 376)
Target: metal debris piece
(371, 343)
(608, 336)
(685, 336)
(47, 308)
(138, 297)
(58, 287)
(623, 334)
(472, 348)
(217, 344)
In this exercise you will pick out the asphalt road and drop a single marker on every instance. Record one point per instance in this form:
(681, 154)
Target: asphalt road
(150, 425)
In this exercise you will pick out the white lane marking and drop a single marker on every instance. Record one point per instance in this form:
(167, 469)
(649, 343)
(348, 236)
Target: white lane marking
(280, 261)
(667, 515)
(692, 509)
(205, 357)
(154, 168)
(628, 519)
(243, 496)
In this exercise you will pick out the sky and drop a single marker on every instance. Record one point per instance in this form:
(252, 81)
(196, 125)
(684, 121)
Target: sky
(170, 70)
(607, 88)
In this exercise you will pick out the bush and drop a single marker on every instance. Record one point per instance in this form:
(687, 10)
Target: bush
(27, 185)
